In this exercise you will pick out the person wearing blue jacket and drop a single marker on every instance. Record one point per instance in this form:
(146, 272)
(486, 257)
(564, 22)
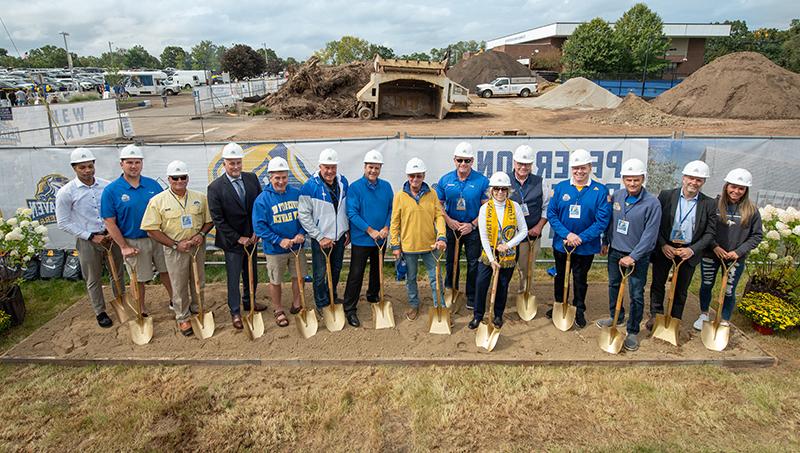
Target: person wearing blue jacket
(578, 212)
(630, 238)
(275, 221)
(369, 210)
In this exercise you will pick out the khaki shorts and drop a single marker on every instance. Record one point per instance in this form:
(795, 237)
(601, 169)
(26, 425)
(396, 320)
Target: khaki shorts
(151, 253)
(277, 264)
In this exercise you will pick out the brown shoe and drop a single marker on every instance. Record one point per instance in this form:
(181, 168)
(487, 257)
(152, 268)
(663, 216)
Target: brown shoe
(185, 328)
(237, 322)
(649, 324)
(260, 307)
(412, 313)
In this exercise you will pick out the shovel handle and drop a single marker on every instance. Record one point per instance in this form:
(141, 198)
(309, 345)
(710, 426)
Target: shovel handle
(196, 278)
(567, 273)
(621, 294)
(328, 271)
(456, 267)
(439, 296)
(300, 278)
(381, 248)
(250, 252)
(676, 264)
(135, 291)
(495, 279)
(529, 273)
(722, 290)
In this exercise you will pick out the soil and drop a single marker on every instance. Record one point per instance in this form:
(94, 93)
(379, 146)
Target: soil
(578, 93)
(485, 67)
(74, 335)
(635, 111)
(744, 85)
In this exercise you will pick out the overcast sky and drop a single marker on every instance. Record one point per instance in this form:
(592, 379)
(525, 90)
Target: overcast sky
(298, 28)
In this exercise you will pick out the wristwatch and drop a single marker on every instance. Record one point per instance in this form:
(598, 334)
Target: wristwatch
(174, 245)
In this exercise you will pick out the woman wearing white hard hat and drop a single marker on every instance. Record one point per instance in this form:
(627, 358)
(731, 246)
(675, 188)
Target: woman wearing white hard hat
(738, 232)
(501, 225)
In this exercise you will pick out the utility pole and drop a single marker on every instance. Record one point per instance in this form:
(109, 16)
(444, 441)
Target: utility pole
(69, 59)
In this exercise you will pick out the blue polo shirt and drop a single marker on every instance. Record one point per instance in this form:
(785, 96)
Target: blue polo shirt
(127, 204)
(473, 190)
(589, 222)
(368, 205)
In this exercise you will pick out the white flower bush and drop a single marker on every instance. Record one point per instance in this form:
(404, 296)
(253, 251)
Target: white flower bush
(20, 240)
(779, 251)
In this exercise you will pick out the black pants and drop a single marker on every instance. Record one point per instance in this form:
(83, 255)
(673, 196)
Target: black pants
(235, 269)
(358, 265)
(579, 266)
(484, 285)
(661, 267)
(472, 248)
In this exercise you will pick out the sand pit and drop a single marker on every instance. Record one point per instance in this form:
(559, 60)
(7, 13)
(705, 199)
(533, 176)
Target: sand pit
(635, 111)
(73, 337)
(485, 67)
(577, 93)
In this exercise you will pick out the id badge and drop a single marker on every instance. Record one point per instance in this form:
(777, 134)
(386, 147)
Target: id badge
(461, 204)
(575, 211)
(622, 226)
(677, 237)
(186, 221)
(524, 207)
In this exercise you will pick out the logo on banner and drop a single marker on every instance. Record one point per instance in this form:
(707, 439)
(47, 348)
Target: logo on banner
(256, 159)
(43, 204)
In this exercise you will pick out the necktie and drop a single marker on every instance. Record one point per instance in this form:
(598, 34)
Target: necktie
(237, 184)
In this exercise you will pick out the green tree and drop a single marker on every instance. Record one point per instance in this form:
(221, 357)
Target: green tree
(349, 49)
(113, 60)
(47, 57)
(205, 55)
(641, 34)
(173, 57)
(418, 56)
(274, 62)
(739, 40)
(457, 51)
(592, 48)
(243, 61)
(291, 61)
(791, 47)
(7, 60)
(138, 57)
(383, 51)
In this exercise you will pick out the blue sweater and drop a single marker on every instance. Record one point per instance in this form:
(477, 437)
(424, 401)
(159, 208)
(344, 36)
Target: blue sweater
(595, 213)
(275, 218)
(368, 205)
(644, 219)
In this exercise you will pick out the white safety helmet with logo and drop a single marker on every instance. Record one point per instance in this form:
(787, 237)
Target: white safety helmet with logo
(740, 177)
(499, 179)
(373, 157)
(232, 151)
(415, 165)
(277, 164)
(80, 155)
(328, 156)
(579, 157)
(697, 168)
(131, 152)
(177, 168)
(464, 149)
(633, 167)
(523, 154)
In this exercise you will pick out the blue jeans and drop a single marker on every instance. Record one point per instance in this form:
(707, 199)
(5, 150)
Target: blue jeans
(636, 283)
(708, 272)
(318, 264)
(412, 261)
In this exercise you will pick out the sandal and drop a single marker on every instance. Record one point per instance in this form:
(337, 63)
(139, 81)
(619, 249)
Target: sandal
(295, 310)
(280, 318)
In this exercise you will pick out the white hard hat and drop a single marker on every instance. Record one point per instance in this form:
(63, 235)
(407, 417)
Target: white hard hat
(464, 149)
(579, 157)
(373, 157)
(232, 151)
(697, 168)
(415, 165)
(328, 156)
(177, 168)
(131, 152)
(277, 164)
(523, 154)
(633, 167)
(499, 179)
(81, 155)
(740, 177)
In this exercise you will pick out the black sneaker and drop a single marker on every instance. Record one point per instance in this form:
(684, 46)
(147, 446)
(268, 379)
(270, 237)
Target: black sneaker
(104, 321)
(580, 322)
(549, 313)
(498, 321)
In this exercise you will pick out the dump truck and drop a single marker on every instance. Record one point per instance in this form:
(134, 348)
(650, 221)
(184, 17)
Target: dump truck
(410, 88)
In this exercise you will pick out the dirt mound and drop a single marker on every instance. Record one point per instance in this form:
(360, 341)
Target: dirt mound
(316, 91)
(635, 111)
(485, 67)
(744, 85)
(577, 93)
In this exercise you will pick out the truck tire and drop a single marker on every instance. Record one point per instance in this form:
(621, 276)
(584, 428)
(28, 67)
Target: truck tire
(365, 113)
(188, 86)
(524, 93)
(170, 93)
(486, 93)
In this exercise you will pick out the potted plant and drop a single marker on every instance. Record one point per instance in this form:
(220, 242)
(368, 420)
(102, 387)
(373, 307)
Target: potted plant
(773, 264)
(769, 313)
(21, 238)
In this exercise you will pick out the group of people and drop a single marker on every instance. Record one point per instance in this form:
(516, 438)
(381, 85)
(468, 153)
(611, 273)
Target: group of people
(498, 221)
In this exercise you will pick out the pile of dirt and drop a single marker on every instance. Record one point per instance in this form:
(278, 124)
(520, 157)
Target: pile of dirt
(485, 67)
(635, 111)
(316, 91)
(745, 85)
(577, 93)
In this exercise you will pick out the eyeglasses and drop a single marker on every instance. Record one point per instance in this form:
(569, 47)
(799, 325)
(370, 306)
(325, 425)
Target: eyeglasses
(179, 178)
(501, 189)
(464, 161)
(416, 175)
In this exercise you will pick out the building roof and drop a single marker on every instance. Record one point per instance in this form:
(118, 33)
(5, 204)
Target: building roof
(565, 29)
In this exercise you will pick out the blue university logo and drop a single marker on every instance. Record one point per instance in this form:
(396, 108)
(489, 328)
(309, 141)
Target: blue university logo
(43, 204)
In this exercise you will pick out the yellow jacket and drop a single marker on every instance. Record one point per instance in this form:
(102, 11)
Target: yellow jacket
(416, 225)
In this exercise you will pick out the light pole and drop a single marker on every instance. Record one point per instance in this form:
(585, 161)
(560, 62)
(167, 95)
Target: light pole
(69, 58)
(644, 70)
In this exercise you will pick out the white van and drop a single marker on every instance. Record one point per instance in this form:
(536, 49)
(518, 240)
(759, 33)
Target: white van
(138, 83)
(189, 79)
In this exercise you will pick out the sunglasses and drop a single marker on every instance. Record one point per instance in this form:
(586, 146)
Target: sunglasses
(464, 161)
(501, 189)
(416, 175)
(179, 178)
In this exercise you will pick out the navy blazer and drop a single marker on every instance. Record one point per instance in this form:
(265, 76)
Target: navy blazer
(232, 218)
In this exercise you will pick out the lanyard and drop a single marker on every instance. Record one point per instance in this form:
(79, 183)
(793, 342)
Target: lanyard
(522, 194)
(682, 217)
(582, 192)
(183, 206)
(626, 208)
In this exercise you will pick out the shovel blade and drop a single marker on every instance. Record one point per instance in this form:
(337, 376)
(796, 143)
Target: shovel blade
(141, 330)
(306, 322)
(439, 321)
(333, 315)
(526, 306)
(254, 326)
(611, 339)
(203, 325)
(563, 316)
(715, 338)
(383, 315)
(454, 300)
(120, 310)
(666, 330)
(486, 336)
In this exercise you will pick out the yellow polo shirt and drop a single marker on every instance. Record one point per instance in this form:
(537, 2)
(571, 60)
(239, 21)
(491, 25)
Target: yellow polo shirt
(165, 212)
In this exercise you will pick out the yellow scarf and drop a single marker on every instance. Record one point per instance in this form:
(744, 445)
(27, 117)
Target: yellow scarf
(509, 230)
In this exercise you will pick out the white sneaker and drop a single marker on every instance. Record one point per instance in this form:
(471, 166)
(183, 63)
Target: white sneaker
(698, 325)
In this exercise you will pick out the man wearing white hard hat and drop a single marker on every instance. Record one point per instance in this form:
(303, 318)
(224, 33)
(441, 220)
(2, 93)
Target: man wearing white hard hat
(687, 228)
(461, 192)
(417, 229)
(276, 223)
(230, 201)
(501, 224)
(178, 219)
(123, 204)
(78, 213)
(322, 210)
(369, 210)
(738, 232)
(578, 212)
(532, 194)
(629, 240)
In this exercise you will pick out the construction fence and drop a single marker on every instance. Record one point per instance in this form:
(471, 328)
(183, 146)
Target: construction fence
(212, 98)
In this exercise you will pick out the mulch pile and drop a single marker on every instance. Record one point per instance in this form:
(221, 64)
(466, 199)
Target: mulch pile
(635, 111)
(744, 85)
(485, 67)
